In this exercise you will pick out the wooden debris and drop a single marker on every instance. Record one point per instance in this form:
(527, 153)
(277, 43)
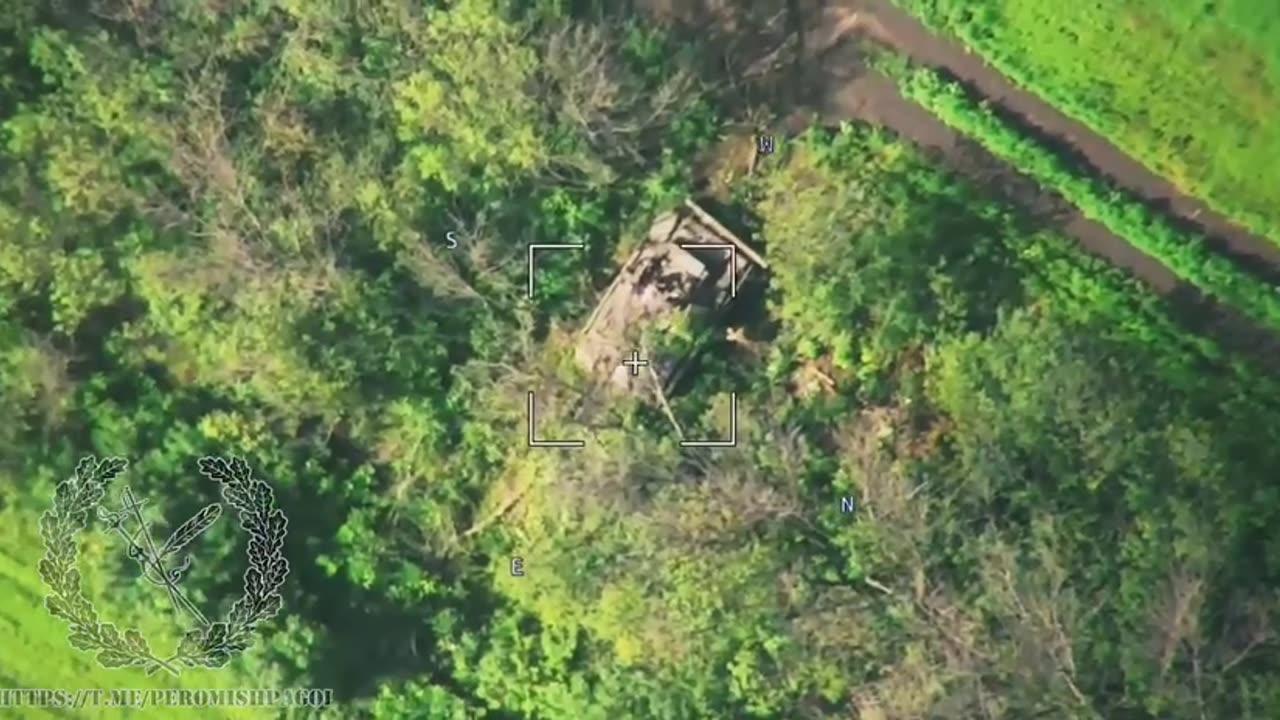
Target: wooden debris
(689, 263)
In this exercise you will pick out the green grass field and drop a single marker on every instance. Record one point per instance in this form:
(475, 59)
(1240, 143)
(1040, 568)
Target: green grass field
(37, 654)
(1185, 253)
(1188, 87)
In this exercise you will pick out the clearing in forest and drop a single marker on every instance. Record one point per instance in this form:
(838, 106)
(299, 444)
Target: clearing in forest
(682, 278)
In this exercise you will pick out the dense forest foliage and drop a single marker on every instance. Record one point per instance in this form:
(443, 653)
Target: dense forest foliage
(224, 231)
(1188, 88)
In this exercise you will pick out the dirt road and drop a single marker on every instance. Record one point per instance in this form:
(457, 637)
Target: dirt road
(874, 99)
(812, 38)
(804, 58)
(894, 26)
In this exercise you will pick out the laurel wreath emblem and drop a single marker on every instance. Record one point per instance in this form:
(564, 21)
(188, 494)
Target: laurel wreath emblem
(207, 644)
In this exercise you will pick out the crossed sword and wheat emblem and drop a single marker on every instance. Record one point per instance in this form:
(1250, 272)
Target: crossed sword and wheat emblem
(205, 644)
(154, 561)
